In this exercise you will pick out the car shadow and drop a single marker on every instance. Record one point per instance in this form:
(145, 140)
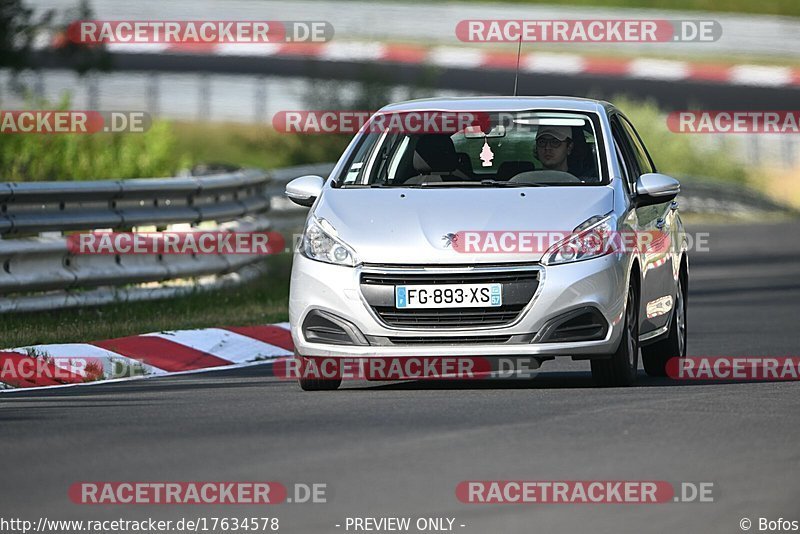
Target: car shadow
(544, 380)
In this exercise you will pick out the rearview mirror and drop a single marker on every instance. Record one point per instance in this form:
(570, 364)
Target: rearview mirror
(475, 132)
(654, 188)
(305, 189)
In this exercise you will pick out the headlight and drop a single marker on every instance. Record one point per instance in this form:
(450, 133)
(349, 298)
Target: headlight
(590, 239)
(319, 243)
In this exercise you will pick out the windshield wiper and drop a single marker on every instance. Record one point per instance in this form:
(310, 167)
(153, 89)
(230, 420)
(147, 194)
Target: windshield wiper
(496, 183)
(438, 184)
(423, 185)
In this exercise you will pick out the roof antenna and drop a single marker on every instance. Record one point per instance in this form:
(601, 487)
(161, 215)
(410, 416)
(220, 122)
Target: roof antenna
(516, 72)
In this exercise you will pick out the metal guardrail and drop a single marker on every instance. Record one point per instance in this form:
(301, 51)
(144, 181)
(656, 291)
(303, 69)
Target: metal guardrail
(38, 271)
(36, 207)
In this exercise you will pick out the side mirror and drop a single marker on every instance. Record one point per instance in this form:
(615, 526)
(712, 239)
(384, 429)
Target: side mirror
(654, 188)
(305, 189)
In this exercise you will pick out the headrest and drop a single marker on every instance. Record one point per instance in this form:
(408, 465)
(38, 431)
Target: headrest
(435, 153)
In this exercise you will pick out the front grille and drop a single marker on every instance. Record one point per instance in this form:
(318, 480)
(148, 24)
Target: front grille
(450, 340)
(400, 279)
(519, 287)
(449, 317)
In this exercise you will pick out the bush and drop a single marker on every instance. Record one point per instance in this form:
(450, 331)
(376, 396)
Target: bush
(38, 157)
(681, 154)
(254, 145)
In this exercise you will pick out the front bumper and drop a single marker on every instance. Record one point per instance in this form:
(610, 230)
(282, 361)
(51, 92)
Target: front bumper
(599, 283)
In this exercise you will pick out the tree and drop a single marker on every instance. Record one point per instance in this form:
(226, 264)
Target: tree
(21, 26)
(18, 29)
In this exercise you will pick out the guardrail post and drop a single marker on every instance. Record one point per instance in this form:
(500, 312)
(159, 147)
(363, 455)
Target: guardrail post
(38, 85)
(153, 94)
(92, 92)
(204, 100)
(260, 97)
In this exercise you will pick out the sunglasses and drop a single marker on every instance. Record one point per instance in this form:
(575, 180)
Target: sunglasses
(542, 142)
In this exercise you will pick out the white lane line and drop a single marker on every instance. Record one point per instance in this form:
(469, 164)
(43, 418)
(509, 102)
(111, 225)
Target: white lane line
(761, 75)
(564, 63)
(659, 69)
(137, 48)
(448, 56)
(250, 49)
(360, 51)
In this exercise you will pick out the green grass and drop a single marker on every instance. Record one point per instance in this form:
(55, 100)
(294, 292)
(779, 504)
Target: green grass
(262, 301)
(765, 7)
(74, 157)
(162, 151)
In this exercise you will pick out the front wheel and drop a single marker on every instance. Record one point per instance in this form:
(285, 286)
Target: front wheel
(656, 356)
(313, 383)
(621, 368)
(319, 384)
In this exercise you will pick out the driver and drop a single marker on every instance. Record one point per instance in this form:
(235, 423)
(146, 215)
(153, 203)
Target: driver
(553, 146)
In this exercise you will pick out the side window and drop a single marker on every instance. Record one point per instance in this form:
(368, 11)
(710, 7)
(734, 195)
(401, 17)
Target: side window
(394, 163)
(359, 160)
(639, 151)
(631, 167)
(385, 153)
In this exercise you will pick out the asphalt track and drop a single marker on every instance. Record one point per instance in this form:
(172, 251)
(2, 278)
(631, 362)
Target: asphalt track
(399, 449)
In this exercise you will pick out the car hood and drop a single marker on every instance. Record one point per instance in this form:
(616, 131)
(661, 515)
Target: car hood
(408, 226)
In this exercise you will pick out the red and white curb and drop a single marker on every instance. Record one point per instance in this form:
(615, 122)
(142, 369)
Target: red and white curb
(161, 353)
(475, 58)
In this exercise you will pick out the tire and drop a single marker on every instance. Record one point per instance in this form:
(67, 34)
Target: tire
(316, 384)
(621, 368)
(656, 356)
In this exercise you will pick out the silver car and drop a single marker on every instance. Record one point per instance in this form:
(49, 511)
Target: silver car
(482, 240)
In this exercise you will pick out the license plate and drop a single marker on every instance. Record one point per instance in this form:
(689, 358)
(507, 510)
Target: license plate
(449, 296)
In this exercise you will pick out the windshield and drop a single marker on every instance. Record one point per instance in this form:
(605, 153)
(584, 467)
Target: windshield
(510, 149)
